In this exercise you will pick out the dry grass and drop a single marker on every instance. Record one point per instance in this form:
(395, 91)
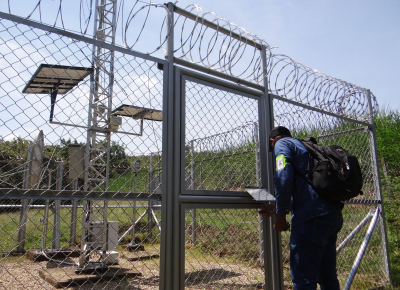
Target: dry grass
(20, 273)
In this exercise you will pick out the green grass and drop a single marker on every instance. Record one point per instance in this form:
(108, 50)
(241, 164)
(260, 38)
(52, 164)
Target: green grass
(9, 221)
(388, 142)
(232, 235)
(225, 235)
(391, 192)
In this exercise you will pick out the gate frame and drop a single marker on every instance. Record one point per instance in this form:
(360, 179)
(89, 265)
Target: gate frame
(177, 199)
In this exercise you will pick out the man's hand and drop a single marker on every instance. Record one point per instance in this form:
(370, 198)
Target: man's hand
(267, 210)
(280, 224)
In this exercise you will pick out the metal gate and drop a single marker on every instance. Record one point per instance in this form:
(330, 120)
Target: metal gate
(220, 126)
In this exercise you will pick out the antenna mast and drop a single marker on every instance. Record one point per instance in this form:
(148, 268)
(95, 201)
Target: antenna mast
(97, 152)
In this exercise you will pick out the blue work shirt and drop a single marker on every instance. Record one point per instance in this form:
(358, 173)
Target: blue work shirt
(292, 192)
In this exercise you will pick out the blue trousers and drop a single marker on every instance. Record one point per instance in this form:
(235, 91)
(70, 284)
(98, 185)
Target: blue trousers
(313, 252)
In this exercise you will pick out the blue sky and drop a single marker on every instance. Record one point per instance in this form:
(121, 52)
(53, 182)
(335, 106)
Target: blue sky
(355, 41)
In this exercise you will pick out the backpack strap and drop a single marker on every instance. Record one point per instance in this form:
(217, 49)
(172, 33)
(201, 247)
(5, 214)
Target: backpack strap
(308, 144)
(314, 152)
(299, 173)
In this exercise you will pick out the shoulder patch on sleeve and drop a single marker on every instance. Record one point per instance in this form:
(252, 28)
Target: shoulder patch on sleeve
(280, 162)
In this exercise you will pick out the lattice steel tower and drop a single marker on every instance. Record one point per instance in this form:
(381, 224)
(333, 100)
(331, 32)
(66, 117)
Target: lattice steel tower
(97, 152)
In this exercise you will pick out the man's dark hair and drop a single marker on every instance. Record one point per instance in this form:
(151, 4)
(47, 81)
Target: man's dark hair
(280, 131)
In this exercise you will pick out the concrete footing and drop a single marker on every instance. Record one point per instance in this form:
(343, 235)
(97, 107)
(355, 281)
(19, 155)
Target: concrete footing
(66, 277)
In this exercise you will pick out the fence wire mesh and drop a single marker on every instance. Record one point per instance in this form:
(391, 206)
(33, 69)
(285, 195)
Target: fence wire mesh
(371, 273)
(356, 138)
(221, 138)
(40, 236)
(329, 130)
(225, 251)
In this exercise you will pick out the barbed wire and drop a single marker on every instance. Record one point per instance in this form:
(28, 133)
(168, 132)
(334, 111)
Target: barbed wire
(217, 50)
(233, 53)
(238, 138)
(288, 78)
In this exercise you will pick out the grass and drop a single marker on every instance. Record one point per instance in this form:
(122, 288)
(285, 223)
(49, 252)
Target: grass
(231, 235)
(9, 221)
(391, 191)
(388, 142)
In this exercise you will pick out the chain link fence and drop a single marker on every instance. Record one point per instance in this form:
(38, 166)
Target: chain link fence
(220, 138)
(222, 245)
(50, 198)
(41, 237)
(225, 252)
(356, 138)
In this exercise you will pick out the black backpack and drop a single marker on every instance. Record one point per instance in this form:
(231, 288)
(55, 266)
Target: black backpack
(336, 175)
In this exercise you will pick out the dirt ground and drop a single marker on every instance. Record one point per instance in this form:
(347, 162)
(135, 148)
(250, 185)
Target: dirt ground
(20, 273)
(17, 272)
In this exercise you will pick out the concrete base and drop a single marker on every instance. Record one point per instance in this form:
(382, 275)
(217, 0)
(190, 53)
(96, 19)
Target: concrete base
(37, 255)
(134, 248)
(66, 277)
(112, 258)
(10, 254)
(140, 256)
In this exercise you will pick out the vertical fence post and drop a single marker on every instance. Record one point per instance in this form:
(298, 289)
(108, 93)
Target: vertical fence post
(385, 173)
(74, 216)
(378, 189)
(45, 222)
(135, 171)
(57, 206)
(272, 240)
(200, 177)
(24, 203)
(134, 211)
(384, 167)
(150, 204)
(229, 185)
(258, 177)
(193, 186)
(171, 255)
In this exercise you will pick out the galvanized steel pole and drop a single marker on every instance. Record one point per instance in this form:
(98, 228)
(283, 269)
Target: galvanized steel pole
(354, 232)
(258, 177)
(272, 245)
(193, 187)
(171, 259)
(150, 203)
(74, 216)
(57, 206)
(362, 250)
(24, 203)
(378, 189)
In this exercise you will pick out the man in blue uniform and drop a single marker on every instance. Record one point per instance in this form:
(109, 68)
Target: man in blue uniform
(315, 221)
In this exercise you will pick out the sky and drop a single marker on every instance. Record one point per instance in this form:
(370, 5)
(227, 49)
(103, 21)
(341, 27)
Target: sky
(357, 41)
